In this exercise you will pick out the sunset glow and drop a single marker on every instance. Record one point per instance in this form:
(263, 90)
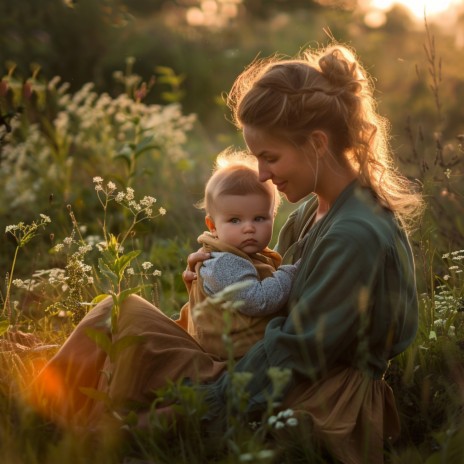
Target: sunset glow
(417, 7)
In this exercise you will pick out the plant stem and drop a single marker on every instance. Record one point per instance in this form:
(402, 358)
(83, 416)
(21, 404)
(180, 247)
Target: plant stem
(6, 303)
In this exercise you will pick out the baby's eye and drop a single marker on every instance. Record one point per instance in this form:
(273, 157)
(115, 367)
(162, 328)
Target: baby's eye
(234, 220)
(260, 218)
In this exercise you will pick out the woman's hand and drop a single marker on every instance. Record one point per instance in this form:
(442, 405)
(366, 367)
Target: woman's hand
(189, 274)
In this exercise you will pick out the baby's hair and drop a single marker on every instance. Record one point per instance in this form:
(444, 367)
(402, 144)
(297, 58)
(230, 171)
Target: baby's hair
(236, 173)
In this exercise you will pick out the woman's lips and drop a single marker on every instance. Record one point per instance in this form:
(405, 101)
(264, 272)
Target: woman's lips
(280, 186)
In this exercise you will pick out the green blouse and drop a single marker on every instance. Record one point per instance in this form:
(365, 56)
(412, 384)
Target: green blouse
(353, 301)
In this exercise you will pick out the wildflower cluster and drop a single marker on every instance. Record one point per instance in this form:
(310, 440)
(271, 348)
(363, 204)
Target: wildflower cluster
(146, 270)
(87, 133)
(448, 300)
(282, 419)
(140, 210)
(454, 259)
(74, 279)
(23, 233)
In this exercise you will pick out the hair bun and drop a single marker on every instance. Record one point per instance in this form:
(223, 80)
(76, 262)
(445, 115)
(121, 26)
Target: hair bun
(341, 70)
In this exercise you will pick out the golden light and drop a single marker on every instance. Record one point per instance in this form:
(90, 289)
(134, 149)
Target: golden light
(417, 7)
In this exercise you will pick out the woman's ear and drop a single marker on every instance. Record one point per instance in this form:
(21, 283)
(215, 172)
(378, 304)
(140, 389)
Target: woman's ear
(210, 224)
(319, 142)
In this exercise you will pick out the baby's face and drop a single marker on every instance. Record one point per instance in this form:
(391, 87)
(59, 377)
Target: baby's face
(244, 221)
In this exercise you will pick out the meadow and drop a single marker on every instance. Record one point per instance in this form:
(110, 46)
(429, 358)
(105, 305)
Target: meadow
(98, 188)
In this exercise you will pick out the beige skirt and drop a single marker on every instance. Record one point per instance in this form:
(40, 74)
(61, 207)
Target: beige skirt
(350, 413)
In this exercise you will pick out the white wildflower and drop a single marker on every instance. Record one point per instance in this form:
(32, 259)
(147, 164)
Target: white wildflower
(130, 271)
(157, 273)
(147, 201)
(285, 414)
(85, 249)
(129, 194)
(162, 211)
(272, 420)
(292, 422)
(45, 218)
(147, 265)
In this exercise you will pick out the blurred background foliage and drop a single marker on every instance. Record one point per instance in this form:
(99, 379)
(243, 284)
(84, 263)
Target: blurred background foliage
(179, 57)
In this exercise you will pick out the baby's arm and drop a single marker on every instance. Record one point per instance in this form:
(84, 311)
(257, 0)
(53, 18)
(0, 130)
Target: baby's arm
(261, 297)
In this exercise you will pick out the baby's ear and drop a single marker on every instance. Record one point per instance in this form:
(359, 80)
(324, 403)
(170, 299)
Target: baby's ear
(210, 224)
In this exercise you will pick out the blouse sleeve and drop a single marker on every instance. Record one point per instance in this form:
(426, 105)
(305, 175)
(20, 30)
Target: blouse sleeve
(261, 297)
(329, 317)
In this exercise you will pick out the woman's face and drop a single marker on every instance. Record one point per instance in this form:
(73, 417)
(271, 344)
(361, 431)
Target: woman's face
(292, 169)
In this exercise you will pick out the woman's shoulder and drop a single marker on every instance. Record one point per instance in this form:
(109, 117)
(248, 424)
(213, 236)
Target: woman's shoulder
(364, 220)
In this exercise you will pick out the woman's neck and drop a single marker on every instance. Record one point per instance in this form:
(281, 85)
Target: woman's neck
(328, 196)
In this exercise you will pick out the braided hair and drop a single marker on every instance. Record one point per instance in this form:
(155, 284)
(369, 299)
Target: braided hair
(328, 90)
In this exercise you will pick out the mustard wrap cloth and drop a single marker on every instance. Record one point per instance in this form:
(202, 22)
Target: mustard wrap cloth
(208, 325)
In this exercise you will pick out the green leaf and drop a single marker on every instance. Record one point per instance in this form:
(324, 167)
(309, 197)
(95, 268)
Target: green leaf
(122, 262)
(99, 298)
(126, 150)
(125, 158)
(100, 338)
(164, 70)
(129, 291)
(95, 394)
(145, 144)
(107, 272)
(4, 326)
(123, 343)
(172, 97)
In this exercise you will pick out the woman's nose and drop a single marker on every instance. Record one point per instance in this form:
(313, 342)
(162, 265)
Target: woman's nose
(263, 175)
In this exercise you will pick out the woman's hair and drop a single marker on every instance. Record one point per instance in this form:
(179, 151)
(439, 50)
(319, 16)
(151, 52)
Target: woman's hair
(326, 90)
(236, 173)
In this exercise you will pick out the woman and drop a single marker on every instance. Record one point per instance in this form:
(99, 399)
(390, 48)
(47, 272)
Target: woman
(312, 125)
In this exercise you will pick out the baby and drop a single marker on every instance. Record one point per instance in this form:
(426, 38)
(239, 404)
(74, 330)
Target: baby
(240, 212)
